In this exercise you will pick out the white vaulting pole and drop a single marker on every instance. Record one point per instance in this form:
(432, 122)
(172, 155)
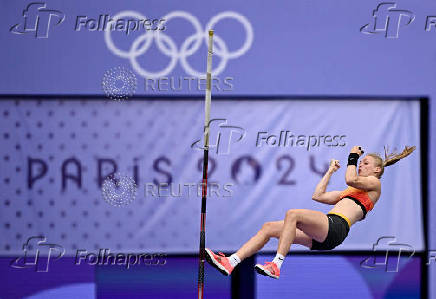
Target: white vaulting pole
(205, 164)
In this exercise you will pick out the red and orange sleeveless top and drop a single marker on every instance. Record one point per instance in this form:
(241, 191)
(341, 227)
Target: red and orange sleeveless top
(360, 197)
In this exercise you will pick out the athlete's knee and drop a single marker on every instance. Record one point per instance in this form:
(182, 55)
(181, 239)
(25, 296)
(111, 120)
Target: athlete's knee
(268, 228)
(292, 214)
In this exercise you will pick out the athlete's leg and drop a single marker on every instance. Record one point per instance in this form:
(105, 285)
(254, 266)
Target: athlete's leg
(314, 224)
(270, 230)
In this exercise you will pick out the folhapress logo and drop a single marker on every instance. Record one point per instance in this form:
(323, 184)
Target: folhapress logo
(226, 135)
(38, 19)
(388, 20)
(38, 254)
(392, 253)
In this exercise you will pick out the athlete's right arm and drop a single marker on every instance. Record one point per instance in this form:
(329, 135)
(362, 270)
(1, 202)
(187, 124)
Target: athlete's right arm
(320, 193)
(330, 198)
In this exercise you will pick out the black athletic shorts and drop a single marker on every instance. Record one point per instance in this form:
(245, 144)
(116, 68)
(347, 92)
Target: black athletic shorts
(338, 231)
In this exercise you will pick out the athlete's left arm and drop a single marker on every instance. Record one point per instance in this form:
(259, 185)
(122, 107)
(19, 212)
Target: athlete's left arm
(368, 183)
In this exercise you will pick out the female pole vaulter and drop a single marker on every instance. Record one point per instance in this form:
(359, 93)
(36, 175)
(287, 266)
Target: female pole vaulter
(314, 229)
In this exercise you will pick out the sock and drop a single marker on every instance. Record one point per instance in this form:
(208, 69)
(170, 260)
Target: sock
(234, 260)
(278, 260)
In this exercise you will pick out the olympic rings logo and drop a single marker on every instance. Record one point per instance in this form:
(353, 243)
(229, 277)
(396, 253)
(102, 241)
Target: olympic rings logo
(169, 48)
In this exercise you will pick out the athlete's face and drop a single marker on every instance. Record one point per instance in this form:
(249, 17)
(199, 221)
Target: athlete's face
(367, 166)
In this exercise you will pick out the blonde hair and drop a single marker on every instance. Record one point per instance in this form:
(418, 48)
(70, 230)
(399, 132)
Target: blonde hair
(391, 158)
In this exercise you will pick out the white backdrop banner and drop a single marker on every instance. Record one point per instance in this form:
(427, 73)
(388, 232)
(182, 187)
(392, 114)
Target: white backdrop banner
(266, 156)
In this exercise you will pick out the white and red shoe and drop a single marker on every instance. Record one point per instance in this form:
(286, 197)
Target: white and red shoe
(268, 269)
(219, 261)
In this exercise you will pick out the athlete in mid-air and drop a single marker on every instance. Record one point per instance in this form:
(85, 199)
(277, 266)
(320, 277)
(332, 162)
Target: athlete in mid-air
(314, 229)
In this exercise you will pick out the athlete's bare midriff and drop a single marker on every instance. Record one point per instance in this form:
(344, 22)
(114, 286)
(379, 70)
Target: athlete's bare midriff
(350, 209)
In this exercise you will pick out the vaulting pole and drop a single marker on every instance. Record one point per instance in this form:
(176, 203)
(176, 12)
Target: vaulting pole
(205, 160)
